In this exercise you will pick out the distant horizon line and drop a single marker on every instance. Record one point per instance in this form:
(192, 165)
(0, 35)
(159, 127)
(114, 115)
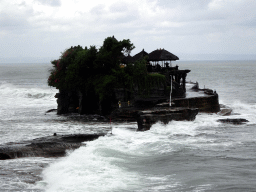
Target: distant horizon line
(174, 61)
(182, 57)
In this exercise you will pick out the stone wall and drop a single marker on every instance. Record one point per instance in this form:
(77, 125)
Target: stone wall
(208, 103)
(147, 118)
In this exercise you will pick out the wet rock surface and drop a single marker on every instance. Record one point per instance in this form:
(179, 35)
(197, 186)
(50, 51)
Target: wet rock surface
(52, 146)
(208, 103)
(147, 118)
(233, 121)
(225, 112)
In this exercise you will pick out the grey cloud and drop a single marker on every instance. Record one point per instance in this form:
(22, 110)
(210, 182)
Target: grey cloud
(119, 7)
(13, 22)
(16, 22)
(53, 3)
(209, 16)
(198, 4)
(98, 10)
(248, 23)
(193, 28)
(119, 13)
(125, 18)
(197, 11)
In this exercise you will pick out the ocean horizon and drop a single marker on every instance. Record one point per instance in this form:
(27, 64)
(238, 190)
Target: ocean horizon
(182, 57)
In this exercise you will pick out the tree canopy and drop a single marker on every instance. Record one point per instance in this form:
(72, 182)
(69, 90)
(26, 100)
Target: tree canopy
(100, 69)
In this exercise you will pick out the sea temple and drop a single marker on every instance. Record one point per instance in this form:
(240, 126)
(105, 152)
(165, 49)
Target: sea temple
(110, 85)
(145, 87)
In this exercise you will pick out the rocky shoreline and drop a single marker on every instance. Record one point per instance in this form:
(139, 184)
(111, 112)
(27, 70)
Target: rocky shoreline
(57, 145)
(50, 146)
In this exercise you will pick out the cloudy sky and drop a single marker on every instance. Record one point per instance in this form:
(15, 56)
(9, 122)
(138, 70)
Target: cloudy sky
(44, 28)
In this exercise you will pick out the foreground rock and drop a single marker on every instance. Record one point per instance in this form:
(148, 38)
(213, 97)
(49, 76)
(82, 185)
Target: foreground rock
(52, 146)
(233, 121)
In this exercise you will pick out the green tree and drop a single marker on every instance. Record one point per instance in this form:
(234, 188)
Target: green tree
(97, 72)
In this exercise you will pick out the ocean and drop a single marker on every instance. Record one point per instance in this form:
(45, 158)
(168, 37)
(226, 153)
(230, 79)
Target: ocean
(200, 155)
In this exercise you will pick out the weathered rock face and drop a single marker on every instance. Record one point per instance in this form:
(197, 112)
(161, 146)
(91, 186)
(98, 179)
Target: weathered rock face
(77, 102)
(67, 102)
(63, 102)
(195, 86)
(233, 121)
(124, 114)
(225, 112)
(147, 118)
(148, 102)
(208, 104)
(52, 146)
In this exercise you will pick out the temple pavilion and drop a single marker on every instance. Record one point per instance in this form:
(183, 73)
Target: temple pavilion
(160, 61)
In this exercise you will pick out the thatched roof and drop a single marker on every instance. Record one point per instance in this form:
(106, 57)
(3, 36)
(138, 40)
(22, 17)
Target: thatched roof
(127, 59)
(139, 55)
(162, 55)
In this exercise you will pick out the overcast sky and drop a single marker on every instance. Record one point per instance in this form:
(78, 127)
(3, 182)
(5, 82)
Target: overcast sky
(44, 28)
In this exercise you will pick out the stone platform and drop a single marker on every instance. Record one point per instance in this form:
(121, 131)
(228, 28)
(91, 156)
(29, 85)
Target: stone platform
(206, 100)
(147, 118)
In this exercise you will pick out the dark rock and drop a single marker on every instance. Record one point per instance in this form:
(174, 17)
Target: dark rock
(223, 106)
(52, 146)
(57, 95)
(86, 118)
(51, 110)
(63, 102)
(233, 121)
(208, 104)
(147, 118)
(196, 86)
(148, 102)
(208, 91)
(124, 114)
(225, 112)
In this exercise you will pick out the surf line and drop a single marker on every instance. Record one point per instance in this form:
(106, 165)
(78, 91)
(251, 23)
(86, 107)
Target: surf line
(110, 126)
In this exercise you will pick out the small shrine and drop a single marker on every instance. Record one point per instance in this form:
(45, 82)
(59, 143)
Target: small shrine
(160, 61)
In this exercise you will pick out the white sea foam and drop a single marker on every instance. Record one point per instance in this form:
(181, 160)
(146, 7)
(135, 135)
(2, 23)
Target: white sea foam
(241, 109)
(20, 174)
(244, 110)
(103, 164)
(91, 168)
(10, 90)
(12, 96)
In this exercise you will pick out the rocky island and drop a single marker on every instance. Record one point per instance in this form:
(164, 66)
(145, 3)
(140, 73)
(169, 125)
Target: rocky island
(110, 82)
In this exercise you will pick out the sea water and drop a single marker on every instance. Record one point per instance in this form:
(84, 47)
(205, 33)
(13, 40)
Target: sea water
(201, 155)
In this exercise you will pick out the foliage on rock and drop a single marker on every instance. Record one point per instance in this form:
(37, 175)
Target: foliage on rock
(100, 69)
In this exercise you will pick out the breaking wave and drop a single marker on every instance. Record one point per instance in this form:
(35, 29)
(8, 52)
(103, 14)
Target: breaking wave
(8, 90)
